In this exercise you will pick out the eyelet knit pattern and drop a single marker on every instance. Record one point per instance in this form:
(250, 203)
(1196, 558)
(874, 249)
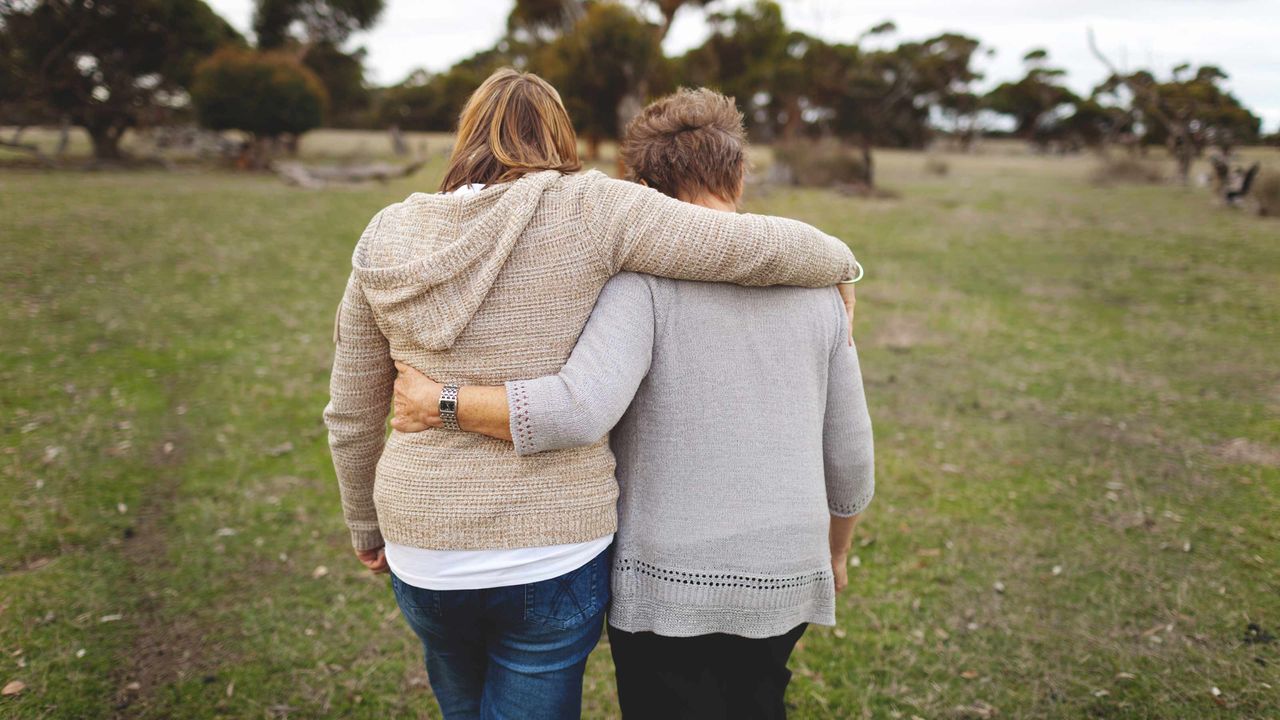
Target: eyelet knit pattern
(521, 429)
(496, 286)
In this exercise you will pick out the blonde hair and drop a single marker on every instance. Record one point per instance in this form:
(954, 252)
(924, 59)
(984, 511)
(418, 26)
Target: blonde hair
(513, 124)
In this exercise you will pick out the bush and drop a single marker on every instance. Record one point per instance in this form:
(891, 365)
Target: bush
(936, 166)
(822, 163)
(1266, 191)
(264, 94)
(1132, 170)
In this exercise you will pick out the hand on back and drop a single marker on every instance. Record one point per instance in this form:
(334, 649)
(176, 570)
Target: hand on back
(416, 404)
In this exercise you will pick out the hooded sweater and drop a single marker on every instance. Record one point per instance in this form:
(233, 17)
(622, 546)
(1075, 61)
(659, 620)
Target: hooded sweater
(496, 286)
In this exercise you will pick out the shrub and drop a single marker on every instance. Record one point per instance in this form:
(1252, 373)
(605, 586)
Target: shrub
(265, 94)
(1127, 169)
(822, 163)
(1266, 192)
(936, 166)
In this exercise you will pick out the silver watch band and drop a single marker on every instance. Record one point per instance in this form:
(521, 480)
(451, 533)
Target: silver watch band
(449, 407)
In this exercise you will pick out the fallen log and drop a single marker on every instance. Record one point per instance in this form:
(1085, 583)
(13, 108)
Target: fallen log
(319, 176)
(28, 148)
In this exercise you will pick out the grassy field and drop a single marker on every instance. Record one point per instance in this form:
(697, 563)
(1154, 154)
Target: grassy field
(1075, 393)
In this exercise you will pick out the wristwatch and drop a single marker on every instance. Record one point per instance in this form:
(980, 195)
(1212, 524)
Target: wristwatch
(449, 406)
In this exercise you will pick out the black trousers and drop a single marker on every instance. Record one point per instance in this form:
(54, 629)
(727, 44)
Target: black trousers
(705, 677)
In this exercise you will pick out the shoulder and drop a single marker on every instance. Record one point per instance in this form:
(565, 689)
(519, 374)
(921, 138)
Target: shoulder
(832, 306)
(596, 187)
(630, 287)
(369, 237)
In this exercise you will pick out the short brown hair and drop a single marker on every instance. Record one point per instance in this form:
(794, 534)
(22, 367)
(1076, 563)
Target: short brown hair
(688, 144)
(513, 124)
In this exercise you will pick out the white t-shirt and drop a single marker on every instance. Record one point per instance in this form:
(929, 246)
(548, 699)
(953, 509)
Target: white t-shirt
(478, 569)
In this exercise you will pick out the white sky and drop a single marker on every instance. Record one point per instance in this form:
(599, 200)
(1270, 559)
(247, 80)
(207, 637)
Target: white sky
(1240, 36)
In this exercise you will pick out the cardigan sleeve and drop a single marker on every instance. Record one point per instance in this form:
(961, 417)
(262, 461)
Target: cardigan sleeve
(848, 450)
(360, 391)
(581, 404)
(641, 230)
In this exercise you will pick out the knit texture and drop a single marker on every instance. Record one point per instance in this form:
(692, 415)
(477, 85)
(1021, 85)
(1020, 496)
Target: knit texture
(740, 425)
(496, 286)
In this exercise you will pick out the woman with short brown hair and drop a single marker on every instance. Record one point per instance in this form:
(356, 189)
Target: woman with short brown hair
(501, 562)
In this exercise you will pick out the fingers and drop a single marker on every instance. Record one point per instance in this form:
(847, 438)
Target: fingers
(850, 299)
(405, 424)
(375, 560)
(379, 566)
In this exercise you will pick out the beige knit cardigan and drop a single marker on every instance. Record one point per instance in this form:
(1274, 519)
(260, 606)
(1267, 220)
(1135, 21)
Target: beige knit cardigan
(497, 286)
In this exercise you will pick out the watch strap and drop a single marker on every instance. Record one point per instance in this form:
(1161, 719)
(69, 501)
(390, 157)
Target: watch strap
(449, 407)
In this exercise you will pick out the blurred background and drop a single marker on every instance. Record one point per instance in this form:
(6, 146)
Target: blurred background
(1069, 333)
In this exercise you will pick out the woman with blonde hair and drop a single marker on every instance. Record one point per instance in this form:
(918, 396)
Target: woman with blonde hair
(501, 562)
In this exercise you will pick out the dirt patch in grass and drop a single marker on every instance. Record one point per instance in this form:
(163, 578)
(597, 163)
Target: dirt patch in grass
(1242, 451)
(166, 649)
(902, 333)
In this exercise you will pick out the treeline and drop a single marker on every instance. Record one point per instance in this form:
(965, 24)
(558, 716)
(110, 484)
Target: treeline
(111, 65)
(606, 57)
(108, 65)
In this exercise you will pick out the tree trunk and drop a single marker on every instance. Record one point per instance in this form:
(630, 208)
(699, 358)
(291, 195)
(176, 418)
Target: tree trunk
(64, 137)
(1186, 155)
(628, 107)
(106, 141)
(792, 127)
(868, 162)
(398, 145)
(593, 147)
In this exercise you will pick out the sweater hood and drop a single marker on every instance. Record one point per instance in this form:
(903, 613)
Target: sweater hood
(429, 262)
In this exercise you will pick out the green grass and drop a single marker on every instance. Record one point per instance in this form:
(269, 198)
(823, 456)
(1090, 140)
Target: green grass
(1075, 393)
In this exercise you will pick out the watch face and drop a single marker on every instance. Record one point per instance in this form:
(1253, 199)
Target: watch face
(448, 405)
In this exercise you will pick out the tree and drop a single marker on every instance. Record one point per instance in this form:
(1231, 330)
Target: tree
(276, 22)
(601, 61)
(945, 77)
(316, 30)
(542, 23)
(342, 74)
(887, 97)
(1036, 102)
(751, 56)
(1185, 113)
(433, 102)
(106, 65)
(265, 94)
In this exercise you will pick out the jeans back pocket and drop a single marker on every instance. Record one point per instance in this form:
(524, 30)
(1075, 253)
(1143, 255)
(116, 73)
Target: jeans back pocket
(415, 600)
(571, 599)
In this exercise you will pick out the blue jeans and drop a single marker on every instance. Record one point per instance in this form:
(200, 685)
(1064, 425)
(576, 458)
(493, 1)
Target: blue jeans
(510, 652)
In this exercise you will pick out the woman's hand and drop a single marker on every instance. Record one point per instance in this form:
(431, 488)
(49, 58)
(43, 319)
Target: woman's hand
(840, 570)
(417, 401)
(847, 295)
(375, 560)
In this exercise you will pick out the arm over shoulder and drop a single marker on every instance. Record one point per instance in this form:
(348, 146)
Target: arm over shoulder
(642, 230)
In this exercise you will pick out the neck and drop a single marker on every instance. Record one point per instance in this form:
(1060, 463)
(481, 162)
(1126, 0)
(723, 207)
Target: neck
(715, 202)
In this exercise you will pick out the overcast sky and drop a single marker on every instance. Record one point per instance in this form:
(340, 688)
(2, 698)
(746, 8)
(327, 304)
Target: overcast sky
(1240, 36)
